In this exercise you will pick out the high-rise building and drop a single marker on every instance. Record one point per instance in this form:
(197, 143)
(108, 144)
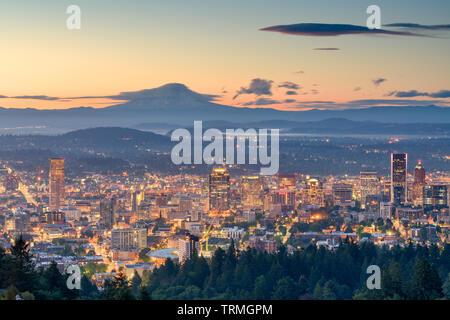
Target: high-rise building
(252, 192)
(313, 193)
(57, 185)
(109, 212)
(219, 190)
(188, 247)
(399, 169)
(342, 193)
(369, 186)
(136, 199)
(129, 239)
(435, 196)
(419, 182)
(287, 182)
(282, 200)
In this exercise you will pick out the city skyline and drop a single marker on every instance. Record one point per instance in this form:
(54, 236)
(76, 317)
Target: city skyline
(225, 150)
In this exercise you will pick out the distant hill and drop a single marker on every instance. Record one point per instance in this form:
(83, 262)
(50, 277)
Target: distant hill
(96, 140)
(175, 104)
(344, 126)
(337, 126)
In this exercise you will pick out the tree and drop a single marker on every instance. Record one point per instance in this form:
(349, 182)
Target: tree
(53, 285)
(446, 287)
(425, 281)
(88, 290)
(118, 289)
(136, 283)
(10, 293)
(392, 281)
(27, 296)
(20, 271)
(261, 288)
(144, 294)
(285, 289)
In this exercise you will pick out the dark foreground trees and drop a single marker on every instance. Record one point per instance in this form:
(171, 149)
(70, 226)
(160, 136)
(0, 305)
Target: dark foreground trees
(411, 272)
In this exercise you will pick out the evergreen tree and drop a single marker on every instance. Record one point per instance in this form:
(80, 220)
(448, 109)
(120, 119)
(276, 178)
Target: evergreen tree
(261, 289)
(136, 283)
(118, 288)
(425, 281)
(285, 289)
(446, 287)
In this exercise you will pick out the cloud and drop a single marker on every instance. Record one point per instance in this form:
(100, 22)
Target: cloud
(257, 87)
(367, 103)
(261, 102)
(392, 102)
(331, 30)
(357, 89)
(291, 93)
(39, 97)
(418, 26)
(378, 81)
(327, 49)
(414, 93)
(300, 72)
(289, 101)
(289, 85)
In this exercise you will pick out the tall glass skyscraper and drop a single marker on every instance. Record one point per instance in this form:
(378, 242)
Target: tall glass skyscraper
(57, 185)
(399, 169)
(219, 190)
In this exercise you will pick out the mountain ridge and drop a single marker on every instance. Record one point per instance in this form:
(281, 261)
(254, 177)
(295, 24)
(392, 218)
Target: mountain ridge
(175, 103)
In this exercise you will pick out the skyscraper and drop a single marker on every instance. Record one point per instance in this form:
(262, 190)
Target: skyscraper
(419, 182)
(287, 182)
(369, 185)
(313, 193)
(342, 193)
(57, 186)
(252, 189)
(219, 190)
(109, 212)
(136, 199)
(399, 187)
(188, 247)
(434, 196)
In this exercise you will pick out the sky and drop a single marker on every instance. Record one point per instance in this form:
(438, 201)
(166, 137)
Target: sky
(220, 48)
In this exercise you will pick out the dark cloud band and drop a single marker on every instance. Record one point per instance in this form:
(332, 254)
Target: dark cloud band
(324, 29)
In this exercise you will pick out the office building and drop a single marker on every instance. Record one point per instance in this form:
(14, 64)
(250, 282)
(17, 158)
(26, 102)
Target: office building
(109, 209)
(129, 239)
(313, 193)
(369, 186)
(219, 190)
(419, 182)
(435, 196)
(342, 194)
(57, 184)
(188, 247)
(252, 193)
(287, 182)
(399, 187)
